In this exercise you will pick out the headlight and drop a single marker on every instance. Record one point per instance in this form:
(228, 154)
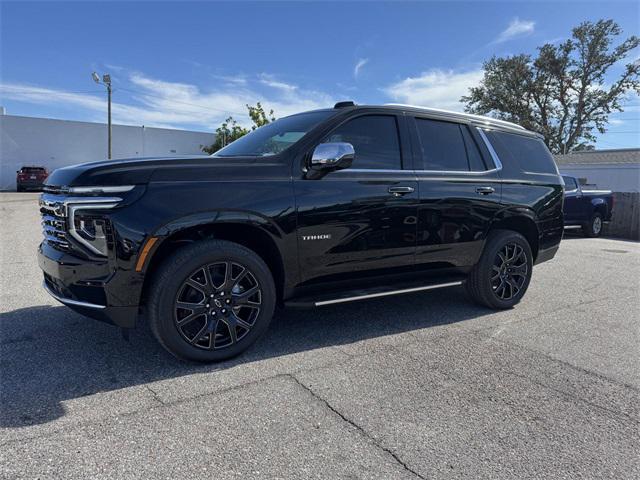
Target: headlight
(86, 224)
(93, 231)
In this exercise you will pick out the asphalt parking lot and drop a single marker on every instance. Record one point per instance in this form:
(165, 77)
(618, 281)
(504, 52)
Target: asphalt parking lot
(417, 386)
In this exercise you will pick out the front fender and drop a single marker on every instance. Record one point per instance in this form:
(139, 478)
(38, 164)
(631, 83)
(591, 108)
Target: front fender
(217, 217)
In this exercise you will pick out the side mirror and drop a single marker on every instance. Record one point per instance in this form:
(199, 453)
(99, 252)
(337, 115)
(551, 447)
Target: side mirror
(332, 156)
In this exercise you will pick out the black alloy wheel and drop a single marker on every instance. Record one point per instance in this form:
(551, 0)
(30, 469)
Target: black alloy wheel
(501, 277)
(510, 271)
(217, 305)
(210, 300)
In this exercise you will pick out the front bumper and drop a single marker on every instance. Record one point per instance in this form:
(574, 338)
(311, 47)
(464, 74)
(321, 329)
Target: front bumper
(85, 287)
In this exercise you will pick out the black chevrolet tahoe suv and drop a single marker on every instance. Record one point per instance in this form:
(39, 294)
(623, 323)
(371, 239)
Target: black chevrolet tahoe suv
(318, 208)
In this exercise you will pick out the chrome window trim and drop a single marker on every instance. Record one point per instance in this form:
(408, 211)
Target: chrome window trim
(68, 301)
(447, 172)
(376, 170)
(459, 172)
(492, 152)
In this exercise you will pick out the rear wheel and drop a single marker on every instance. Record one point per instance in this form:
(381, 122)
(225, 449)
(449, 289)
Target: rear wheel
(211, 300)
(501, 277)
(594, 227)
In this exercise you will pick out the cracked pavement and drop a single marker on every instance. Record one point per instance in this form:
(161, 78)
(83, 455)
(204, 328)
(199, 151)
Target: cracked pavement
(416, 386)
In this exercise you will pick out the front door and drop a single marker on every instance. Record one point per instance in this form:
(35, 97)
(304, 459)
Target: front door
(363, 218)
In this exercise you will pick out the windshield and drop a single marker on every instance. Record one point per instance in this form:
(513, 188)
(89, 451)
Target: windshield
(274, 137)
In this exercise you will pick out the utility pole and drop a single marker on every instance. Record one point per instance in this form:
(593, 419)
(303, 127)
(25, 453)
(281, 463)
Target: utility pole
(106, 81)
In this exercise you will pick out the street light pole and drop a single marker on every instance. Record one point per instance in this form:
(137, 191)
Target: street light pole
(106, 81)
(109, 115)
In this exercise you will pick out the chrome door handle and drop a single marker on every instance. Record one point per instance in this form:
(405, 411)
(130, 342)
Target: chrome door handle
(485, 190)
(399, 191)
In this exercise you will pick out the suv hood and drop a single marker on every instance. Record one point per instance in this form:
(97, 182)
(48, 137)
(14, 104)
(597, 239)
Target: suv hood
(140, 170)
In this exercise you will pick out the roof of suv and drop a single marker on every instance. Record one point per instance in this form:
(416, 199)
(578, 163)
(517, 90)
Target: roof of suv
(447, 114)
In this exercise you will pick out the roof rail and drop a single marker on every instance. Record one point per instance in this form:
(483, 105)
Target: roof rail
(479, 118)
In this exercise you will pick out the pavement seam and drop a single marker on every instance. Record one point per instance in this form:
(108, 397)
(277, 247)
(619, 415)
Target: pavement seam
(565, 363)
(155, 394)
(616, 414)
(358, 428)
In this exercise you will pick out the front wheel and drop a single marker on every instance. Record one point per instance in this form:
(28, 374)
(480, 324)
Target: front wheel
(594, 227)
(211, 300)
(501, 277)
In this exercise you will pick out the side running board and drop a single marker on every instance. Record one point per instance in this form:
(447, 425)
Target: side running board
(358, 295)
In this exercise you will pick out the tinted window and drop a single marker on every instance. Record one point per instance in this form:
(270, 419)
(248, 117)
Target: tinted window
(442, 145)
(374, 139)
(526, 153)
(475, 158)
(570, 183)
(274, 137)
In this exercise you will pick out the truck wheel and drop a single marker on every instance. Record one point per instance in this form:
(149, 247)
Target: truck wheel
(501, 277)
(211, 300)
(594, 227)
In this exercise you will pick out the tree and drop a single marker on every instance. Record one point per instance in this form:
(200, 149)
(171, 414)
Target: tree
(230, 130)
(562, 93)
(259, 117)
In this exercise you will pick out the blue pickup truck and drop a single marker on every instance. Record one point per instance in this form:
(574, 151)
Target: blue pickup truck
(586, 209)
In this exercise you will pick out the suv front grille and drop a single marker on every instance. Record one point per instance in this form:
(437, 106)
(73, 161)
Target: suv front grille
(54, 225)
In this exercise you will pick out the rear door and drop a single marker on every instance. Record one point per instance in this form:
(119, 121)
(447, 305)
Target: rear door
(459, 192)
(363, 218)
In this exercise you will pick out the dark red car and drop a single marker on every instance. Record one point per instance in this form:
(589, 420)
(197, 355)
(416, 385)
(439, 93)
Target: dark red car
(31, 178)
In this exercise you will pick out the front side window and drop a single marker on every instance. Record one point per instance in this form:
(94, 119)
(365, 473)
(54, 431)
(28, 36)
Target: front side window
(274, 137)
(374, 139)
(443, 146)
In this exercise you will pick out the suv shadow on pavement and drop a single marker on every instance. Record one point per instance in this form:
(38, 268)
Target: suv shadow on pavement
(51, 354)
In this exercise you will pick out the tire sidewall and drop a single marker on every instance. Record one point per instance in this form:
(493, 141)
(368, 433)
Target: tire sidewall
(178, 268)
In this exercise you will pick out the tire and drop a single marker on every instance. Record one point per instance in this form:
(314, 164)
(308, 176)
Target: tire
(593, 228)
(242, 301)
(19, 189)
(491, 282)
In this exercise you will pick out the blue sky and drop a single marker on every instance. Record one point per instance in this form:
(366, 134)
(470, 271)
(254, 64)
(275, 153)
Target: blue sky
(189, 65)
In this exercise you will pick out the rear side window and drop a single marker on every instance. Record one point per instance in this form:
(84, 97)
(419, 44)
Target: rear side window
(447, 146)
(526, 153)
(374, 139)
(476, 164)
(442, 145)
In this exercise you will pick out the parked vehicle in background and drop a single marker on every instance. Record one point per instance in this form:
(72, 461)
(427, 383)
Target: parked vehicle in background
(31, 178)
(319, 208)
(586, 209)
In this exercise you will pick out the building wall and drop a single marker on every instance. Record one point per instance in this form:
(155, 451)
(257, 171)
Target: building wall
(58, 143)
(624, 177)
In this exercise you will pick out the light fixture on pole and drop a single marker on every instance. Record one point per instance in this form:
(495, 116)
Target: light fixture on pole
(106, 81)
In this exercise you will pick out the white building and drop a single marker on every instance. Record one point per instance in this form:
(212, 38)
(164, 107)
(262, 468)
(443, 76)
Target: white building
(58, 143)
(616, 170)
